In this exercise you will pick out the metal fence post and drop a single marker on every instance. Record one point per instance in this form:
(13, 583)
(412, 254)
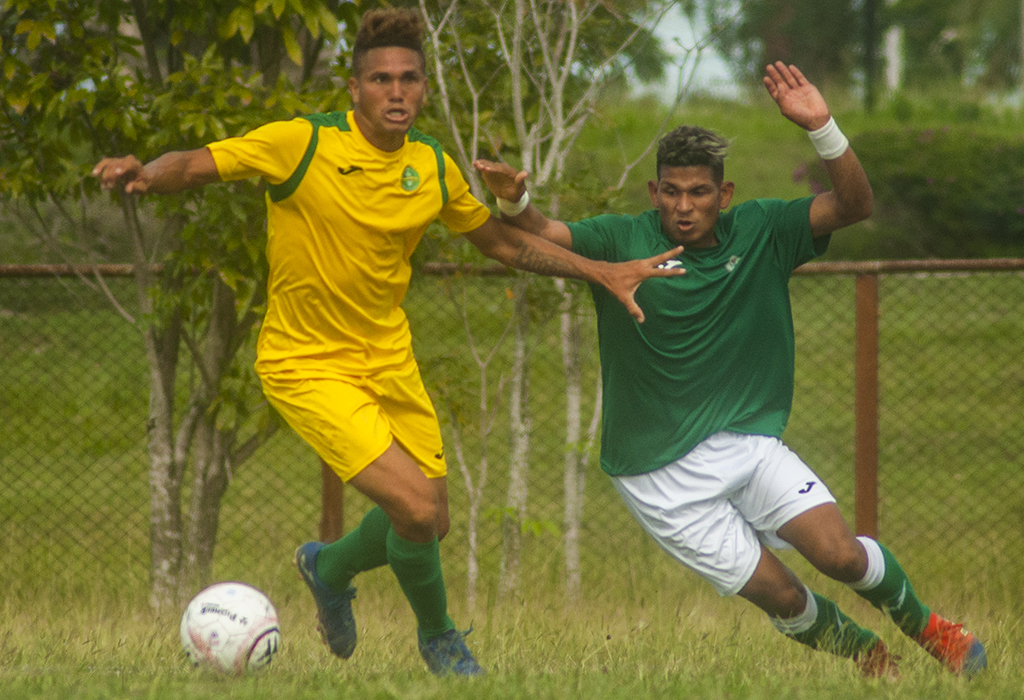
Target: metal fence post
(866, 406)
(332, 504)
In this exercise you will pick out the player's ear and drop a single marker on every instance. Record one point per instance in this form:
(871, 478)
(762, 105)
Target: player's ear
(353, 89)
(725, 193)
(652, 187)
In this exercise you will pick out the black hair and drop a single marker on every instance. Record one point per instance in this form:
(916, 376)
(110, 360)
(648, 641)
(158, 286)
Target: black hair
(692, 145)
(393, 26)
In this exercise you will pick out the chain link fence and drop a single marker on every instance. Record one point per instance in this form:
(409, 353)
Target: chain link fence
(73, 414)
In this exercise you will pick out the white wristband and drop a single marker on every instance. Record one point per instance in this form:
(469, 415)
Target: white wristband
(829, 141)
(509, 208)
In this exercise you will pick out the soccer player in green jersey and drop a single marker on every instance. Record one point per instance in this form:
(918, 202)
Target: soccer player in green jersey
(349, 196)
(696, 398)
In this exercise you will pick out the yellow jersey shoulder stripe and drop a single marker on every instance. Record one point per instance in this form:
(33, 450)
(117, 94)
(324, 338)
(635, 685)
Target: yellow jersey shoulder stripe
(288, 187)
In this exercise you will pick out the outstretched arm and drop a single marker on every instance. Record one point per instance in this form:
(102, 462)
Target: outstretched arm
(850, 200)
(172, 172)
(506, 183)
(525, 251)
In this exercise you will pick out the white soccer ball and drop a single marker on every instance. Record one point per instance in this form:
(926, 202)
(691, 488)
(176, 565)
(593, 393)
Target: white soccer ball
(230, 627)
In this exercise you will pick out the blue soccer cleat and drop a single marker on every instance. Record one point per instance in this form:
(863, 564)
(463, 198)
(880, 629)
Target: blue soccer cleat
(336, 622)
(447, 655)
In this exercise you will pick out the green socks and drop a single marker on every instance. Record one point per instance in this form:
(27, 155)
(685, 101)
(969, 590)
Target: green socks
(416, 565)
(823, 626)
(360, 550)
(886, 586)
(418, 569)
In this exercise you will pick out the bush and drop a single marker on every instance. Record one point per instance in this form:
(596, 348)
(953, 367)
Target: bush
(951, 192)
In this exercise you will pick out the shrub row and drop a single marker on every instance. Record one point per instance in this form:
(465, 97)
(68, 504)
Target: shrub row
(952, 192)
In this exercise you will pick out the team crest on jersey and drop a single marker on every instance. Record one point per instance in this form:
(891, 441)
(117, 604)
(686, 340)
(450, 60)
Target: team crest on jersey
(410, 179)
(733, 262)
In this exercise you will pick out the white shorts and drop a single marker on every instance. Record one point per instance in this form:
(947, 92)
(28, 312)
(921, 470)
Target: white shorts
(712, 508)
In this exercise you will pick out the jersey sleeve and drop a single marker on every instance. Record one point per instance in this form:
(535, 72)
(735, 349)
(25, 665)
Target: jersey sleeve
(462, 212)
(791, 226)
(271, 151)
(595, 237)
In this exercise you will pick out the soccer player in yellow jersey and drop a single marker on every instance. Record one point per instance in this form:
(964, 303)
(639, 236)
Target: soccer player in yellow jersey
(348, 198)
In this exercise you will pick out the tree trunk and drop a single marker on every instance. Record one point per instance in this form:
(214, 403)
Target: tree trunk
(475, 486)
(514, 514)
(893, 59)
(211, 446)
(870, 54)
(164, 470)
(571, 326)
(210, 480)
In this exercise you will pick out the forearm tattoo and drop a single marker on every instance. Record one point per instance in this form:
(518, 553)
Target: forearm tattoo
(532, 260)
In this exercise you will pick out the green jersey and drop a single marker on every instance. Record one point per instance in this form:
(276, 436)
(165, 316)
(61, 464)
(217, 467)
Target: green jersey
(716, 351)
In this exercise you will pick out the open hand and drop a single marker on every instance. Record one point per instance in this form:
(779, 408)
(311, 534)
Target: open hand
(798, 100)
(623, 278)
(502, 179)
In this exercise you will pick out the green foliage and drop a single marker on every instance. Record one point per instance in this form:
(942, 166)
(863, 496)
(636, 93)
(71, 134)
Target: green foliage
(950, 192)
(944, 42)
(476, 38)
(85, 79)
(960, 42)
(80, 85)
(822, 38)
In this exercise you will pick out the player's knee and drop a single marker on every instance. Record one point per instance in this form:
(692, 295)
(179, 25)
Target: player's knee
(844, 562)
(416, 518)
(789, 602)
(778, 601)
(444, 524)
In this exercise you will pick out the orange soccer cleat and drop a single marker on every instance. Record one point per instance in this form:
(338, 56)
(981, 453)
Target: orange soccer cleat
(959, 651)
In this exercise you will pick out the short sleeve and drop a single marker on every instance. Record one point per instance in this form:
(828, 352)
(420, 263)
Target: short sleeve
(792, 223)
(271, 151)
(595, 237)
(462, 212)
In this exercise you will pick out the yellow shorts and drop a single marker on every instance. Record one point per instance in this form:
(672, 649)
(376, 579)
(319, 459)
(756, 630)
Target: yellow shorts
(351, 421)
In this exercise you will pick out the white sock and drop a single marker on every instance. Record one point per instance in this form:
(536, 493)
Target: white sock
(876, 566)
(802, 622)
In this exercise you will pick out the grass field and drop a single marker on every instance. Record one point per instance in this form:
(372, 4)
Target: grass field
(73, 616)
(665, 644)
(75, 623)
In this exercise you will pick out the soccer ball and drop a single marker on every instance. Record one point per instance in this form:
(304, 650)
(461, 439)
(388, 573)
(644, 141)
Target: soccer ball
(230, 627)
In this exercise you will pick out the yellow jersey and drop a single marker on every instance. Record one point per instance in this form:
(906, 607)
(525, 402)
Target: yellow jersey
(343, 217)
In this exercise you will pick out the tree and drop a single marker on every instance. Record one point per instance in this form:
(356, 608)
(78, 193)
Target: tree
(89, 78)
(965, 43)
(519, 80)
(817, 36)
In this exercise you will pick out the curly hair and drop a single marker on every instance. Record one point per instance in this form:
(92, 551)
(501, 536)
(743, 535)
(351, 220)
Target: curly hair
(393, 26)
(693, 145)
